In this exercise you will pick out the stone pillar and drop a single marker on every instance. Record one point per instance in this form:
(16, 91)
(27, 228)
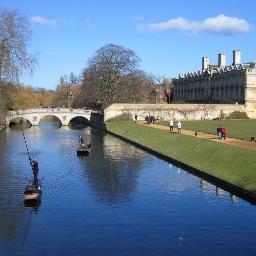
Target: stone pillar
(236, 57)
(205, 63)
(250, 92)
(221, 60)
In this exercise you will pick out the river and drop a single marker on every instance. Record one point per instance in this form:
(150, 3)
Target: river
(119, 200)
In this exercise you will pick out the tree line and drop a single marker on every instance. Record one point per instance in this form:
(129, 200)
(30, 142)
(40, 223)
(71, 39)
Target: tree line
(112, 75)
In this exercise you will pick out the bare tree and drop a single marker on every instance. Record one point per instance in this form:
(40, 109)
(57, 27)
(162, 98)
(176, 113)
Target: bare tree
(15, 35)
(109, 65)
(167, 89)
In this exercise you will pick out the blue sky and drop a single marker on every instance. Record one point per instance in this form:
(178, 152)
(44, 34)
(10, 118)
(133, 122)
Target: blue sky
(170, 37)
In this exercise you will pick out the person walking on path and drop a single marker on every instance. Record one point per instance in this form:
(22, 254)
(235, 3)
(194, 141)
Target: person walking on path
(171, 125)
(219, 134)
(152, 119)
(224, 132)
(136, 117)
(179, 127)
(147, 119)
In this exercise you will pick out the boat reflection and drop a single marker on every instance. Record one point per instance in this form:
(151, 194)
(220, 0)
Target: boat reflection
(32, 205)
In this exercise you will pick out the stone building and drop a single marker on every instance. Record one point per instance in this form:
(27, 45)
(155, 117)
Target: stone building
(219, 83)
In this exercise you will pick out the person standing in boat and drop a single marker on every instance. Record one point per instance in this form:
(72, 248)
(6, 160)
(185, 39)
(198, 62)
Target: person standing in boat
(35, 170)
(81, 139)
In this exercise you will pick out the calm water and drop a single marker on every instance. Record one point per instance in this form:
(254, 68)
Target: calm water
(118, 201)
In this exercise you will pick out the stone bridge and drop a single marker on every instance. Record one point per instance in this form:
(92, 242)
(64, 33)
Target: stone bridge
(65, 115)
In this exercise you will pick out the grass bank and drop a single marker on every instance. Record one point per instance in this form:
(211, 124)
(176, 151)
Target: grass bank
(241, 129)
(232, 164)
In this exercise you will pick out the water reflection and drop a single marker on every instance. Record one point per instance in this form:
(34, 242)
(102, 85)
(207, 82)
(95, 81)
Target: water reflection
(234, 199)
(11, 207)
(220, 192)
(50, 122)
(112, 168)
(32, 210)
(207, 187)
(105, 203)
(178, 180)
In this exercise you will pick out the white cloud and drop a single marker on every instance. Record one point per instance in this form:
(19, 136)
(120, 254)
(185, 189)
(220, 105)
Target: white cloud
(43, 21)
(226, 25)
(221, 24)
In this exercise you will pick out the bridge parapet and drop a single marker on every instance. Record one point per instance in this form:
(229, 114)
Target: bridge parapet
(49, 111)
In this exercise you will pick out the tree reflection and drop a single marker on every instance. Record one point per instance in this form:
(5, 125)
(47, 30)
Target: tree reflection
(11, 207)
(12, 183)
(112, 167)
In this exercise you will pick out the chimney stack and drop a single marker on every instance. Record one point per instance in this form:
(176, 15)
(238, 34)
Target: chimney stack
(205, 63)
(236, 57)
(221, 60)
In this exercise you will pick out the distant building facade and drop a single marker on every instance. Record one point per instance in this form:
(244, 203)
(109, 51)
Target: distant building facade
(218, 83)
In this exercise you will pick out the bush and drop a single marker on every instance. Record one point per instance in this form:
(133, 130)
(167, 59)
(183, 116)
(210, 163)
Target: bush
(122, 117)
(237, 115)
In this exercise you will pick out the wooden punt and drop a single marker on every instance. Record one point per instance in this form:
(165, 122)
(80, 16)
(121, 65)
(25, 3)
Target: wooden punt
(32, 193)
(84, 150)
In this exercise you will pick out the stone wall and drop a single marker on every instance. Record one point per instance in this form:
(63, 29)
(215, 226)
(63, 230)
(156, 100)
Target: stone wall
(176, 111)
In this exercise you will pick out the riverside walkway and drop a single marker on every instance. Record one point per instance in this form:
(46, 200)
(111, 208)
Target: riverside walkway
(231, 141)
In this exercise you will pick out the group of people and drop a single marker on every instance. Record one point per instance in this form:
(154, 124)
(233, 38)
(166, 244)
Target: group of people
(178, 125)
(221, 132)
(150, 119)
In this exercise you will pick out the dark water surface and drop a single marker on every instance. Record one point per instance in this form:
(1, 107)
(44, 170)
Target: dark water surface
(118, 201)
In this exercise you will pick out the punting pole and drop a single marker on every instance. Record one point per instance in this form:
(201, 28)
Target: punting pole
(30, 159)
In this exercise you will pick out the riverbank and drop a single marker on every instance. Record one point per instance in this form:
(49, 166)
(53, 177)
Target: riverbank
(229, 166)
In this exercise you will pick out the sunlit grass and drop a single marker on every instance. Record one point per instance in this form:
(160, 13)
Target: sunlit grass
(233, 164)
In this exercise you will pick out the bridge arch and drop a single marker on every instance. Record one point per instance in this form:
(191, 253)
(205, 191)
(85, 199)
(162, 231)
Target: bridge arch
(82, 118)
(50, 115)
(22, 119)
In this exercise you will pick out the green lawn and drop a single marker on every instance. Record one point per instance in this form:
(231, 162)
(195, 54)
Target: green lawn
(233, 164)
(243, 129)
